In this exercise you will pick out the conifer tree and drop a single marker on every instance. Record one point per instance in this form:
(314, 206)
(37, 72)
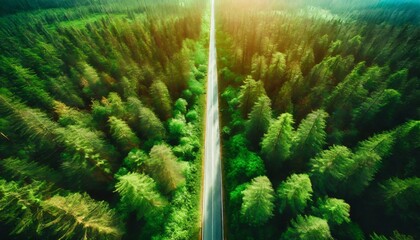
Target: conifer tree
(122, 134)
(307, 228)
(331, 168)
(310, 135)
(250, 92)
(259, 120)
(335, 211)
(258, 197)
(79, 216)
(144, 120)
(139, 194)
(402, 197)
(295, 193)
(161, 99)
(164, 168)
(277, 141)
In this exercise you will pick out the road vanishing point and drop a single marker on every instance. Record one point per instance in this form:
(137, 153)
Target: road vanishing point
(212, 215)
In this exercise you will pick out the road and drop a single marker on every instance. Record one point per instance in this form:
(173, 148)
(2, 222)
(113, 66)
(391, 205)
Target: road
(212, 216)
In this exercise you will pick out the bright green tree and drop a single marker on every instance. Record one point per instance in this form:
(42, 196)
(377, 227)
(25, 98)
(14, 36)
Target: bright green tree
(331, 168)
(79, 216)
(310, 135)
(258, 201)
(139, 194)
(295, 193)
(335, 211)
(308, 228)
(277, 142)
(122, 134)
(250, 92)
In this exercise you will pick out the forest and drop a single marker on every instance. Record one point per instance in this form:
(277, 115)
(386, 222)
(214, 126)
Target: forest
(320, 114)
(102, 115)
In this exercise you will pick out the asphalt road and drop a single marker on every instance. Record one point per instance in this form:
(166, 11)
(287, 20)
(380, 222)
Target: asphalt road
(212, 221)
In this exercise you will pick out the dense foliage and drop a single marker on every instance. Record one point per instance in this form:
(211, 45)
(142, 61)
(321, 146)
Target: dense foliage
(100, 118)
(320, 99)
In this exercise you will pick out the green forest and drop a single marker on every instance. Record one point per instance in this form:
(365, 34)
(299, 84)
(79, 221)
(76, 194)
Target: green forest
(103, 113)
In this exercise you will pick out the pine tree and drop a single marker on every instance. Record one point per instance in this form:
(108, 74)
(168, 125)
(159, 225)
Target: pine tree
(161, 99)
(259, 67)
(335, 211)
(295, 193)
(259, 120)
(144, 120)
(277, 142)
(139, 194)
(258, 197)
(31, 123)
(402, 197)
(79, 216)
(122, 134)
(307, 228)
(164, 168)
(250, 92)
(310, 135)
(331, 168)
(19, 204)
(25, 169)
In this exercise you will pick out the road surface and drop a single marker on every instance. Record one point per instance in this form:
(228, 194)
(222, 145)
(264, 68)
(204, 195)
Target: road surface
(212, 221)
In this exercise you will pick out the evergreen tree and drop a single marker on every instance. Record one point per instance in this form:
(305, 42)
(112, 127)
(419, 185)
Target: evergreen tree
(164, 167)
(310, 135)
(138, 193)
(258, 197)
(335, 211)
(402, 197)
(250, 92)
(144, 120)
(307, 228)
(295, 193)
(277, 142)
(79, 216)
(259, 120)
(122, 134)
(161, 99)
(331, 168)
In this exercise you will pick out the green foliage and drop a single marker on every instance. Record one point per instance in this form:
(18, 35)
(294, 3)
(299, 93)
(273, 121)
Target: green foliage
(310, 135)
(335, 211)
(308, 228)
(402, 197)
(295, 193)
(277, 142)
(258, 197)
(25, 169)
(250, 92)
(259, 120)
(396, 236)
(161, 99)
(331, 168)
(164, 167)
(139, 194)
(122, 134)
(79, 216)
(18, 204)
